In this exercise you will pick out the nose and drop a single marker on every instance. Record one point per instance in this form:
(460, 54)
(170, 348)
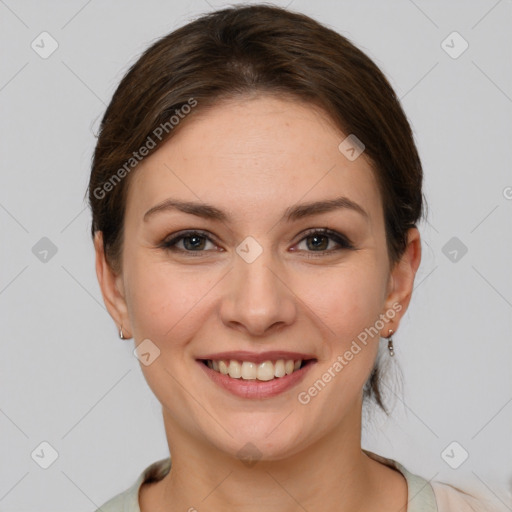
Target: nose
(257, 298)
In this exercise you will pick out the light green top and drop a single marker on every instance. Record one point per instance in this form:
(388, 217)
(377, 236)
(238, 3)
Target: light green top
(421, 494)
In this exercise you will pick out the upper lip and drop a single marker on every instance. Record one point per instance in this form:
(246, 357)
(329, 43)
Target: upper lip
(254, 357)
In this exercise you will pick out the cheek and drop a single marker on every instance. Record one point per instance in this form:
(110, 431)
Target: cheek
(163, 301)
(348, 299)
(165, 306)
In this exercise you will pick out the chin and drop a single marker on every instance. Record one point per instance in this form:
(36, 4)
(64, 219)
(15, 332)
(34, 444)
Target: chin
(264, 439)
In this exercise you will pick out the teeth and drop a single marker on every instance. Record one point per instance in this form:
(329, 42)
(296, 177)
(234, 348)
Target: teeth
(223, 367)
(248, 370)
(266, 370)
(235, 369)
(279, 370)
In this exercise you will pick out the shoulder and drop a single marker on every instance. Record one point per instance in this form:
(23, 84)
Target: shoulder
(128, 500)
(434, 496)
(421, 496)
(450, 498)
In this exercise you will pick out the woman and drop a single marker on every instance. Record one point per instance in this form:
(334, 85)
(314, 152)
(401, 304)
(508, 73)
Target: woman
(255, 192)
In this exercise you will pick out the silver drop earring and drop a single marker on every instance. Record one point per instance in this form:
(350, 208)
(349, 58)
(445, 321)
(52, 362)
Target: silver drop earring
(390, 343)
(121, 335)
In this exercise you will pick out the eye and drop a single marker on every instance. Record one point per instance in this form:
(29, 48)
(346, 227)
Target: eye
(316, 240)
(191, 241)
(320, 240)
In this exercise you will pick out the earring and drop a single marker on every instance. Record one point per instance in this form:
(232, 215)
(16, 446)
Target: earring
(121, 335)
(390, 343)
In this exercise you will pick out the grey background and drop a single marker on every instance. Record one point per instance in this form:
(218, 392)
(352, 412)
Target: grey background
(68, 380)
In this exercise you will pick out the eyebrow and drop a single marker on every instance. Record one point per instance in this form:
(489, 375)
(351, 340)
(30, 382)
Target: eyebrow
(291, 214)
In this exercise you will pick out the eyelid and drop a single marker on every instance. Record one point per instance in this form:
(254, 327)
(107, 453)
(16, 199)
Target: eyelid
(335, 235)
(170, 242)
(343, 242)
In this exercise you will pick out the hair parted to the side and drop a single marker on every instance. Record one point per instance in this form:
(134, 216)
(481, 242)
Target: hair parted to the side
(250, 50)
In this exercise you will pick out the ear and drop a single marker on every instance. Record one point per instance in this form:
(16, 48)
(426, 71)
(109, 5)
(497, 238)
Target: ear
(401, 281)
(112, 289)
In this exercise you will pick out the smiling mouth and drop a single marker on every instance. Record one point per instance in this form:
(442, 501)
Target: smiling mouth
(264, 371)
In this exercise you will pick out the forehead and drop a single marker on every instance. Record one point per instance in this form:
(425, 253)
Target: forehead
(254, 153)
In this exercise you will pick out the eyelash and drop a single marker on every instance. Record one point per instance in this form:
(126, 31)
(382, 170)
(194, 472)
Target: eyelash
(340, 239)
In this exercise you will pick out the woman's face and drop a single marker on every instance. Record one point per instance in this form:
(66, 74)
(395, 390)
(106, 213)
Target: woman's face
(255, 283)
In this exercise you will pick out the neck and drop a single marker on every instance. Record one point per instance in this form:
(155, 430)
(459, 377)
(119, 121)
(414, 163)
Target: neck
(332, 474)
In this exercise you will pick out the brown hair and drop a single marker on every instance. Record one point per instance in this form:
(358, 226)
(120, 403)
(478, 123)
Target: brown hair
(250, 50)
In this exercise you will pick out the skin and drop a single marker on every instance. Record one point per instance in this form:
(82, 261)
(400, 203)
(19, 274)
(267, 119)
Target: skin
(253, 158)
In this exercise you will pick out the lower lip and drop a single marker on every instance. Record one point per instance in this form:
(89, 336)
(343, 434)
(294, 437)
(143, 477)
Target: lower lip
(257, 389)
